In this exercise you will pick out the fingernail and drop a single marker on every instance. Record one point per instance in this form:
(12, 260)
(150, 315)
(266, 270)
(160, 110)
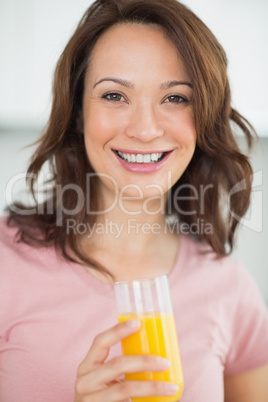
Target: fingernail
(133, 323)
(171, 389)
(165, 363)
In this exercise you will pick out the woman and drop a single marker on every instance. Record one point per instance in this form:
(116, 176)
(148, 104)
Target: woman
(139, 135)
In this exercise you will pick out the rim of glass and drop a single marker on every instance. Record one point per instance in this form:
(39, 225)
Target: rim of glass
(152, 278)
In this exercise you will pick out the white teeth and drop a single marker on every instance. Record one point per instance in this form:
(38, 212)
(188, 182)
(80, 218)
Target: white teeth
(154, 157)
(141, 158)
(147, 158)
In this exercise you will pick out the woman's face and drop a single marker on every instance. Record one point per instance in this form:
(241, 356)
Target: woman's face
(137, 111)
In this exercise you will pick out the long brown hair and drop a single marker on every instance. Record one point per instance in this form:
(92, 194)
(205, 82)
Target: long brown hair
(217, 161)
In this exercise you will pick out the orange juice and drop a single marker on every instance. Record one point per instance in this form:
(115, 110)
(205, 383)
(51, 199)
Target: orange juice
(157, 336)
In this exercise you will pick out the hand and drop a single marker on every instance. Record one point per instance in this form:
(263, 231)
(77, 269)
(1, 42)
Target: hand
(97, 380)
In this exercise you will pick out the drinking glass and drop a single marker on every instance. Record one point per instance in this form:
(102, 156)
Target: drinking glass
(148, 300)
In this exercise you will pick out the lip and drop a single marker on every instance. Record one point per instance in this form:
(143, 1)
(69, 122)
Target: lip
(127, 151)
(142, 167)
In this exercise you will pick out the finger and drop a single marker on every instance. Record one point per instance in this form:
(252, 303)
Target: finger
(134, 389)
(96, 379)
(117, 380)
(102, 343)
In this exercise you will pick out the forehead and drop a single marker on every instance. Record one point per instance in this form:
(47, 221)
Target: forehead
(131, 45)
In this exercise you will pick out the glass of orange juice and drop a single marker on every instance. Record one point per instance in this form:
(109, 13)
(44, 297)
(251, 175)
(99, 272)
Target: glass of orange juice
(149, 301)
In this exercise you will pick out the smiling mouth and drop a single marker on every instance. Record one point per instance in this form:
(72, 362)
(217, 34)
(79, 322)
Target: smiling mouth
(142, 158)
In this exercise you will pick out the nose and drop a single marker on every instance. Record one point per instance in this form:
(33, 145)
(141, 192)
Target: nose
(144, 124)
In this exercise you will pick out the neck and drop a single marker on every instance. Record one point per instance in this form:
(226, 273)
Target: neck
(131, 239)
(128, 227)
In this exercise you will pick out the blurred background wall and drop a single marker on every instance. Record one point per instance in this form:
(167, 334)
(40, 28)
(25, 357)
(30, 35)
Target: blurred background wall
(33, 34)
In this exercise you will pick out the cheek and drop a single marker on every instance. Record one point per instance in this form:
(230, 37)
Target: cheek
(185, 129)
(97, 129)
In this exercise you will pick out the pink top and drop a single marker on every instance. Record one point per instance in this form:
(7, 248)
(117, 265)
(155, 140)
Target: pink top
(50, 311)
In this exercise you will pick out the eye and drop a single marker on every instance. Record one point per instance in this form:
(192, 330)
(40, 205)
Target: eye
(113, 97)
(175, 99)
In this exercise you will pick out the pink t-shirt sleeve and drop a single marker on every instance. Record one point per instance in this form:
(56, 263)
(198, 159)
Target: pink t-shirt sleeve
(249, 327)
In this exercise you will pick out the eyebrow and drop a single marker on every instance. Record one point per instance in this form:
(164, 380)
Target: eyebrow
(120, 81)
(128, 84)
(170, 84)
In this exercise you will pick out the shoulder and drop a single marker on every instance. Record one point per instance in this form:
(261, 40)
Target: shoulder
(224, 282)
(20, 263)
(224, 289)
(196, 257)
(11, 249)
(28, 276)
